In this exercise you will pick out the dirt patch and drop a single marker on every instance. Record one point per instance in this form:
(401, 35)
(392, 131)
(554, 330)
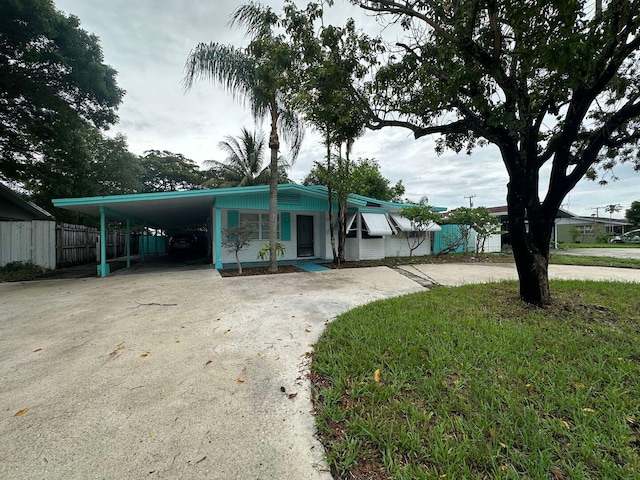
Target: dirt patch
(428, 259)
(247, 272)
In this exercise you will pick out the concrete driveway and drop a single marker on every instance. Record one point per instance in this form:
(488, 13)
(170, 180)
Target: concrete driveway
(169, 375)
(181, 374)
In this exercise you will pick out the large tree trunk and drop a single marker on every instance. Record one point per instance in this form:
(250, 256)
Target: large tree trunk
(530, 231)
(274, 145)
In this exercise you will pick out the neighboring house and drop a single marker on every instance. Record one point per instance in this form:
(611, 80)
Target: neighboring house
(375, 229)
(27, 232)
(590, 227)
(14, 207)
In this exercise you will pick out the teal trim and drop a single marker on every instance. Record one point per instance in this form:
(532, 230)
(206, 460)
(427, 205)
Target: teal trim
(128, 244)
(285, 226)
(218, 239)
(103, 269)
(141, 245)
(233, 218)
(152, 244)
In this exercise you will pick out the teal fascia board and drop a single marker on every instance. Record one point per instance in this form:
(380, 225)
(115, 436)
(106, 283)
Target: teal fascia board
(212, 192)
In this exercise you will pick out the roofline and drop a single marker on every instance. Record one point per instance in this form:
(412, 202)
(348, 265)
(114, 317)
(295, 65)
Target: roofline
(312, 190)
(26, 204)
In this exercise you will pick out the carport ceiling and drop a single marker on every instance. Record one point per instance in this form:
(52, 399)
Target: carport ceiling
(158, 210)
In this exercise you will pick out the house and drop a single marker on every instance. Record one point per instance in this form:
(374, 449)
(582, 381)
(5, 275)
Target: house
(570, 228)
(15, 208)
(577, 229)
(375, 228)
(27, 232)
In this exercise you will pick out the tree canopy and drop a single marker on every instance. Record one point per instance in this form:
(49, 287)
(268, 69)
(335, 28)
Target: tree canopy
(165, 171)
(551, 84)
(632, 214)
(365, 179)
(52, 81)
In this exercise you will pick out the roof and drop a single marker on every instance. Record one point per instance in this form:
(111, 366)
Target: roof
(192, 207)
(504, 210)
(14, 207)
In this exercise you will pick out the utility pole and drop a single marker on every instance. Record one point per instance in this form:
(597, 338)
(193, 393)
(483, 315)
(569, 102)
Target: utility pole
(597, 210)
(470, 197)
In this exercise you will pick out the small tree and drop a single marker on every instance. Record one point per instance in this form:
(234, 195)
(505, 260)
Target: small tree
(234, 239)
(485, 224)
(478, 219)
(574, 232)
(421, 217)
(612, 208)
(633, 213)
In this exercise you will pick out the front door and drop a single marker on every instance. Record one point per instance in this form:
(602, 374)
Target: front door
(304, 228)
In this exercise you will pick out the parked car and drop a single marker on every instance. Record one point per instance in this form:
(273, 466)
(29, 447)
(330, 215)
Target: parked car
(630, 237)
(183, 242)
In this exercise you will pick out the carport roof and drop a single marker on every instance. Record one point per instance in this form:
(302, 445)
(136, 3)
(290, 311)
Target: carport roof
(164, 209)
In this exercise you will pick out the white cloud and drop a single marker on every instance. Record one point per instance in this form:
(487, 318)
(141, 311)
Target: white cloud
(148, 41)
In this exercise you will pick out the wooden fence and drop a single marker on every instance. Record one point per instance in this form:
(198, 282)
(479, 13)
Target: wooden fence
(52, 245)
(28, 241)
(76, 244)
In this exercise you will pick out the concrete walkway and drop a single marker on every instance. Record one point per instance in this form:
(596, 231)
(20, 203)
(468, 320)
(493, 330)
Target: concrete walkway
(182, 374)
(453, 274)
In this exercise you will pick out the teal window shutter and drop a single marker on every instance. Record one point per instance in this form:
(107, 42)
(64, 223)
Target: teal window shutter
(232, 218)
(285, 226)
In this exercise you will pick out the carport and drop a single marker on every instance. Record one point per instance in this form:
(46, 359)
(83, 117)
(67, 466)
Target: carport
(160, 211)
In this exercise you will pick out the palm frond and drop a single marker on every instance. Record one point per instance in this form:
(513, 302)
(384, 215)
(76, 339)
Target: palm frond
(226, 65)
(258, 19)
(291, 129)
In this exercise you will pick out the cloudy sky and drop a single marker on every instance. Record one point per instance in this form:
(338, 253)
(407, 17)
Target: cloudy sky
(148, 41)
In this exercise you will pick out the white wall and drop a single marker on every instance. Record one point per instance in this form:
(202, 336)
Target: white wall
(352, 249)
(372, 248)
(396, 246)
(33, 241)
(493, 244)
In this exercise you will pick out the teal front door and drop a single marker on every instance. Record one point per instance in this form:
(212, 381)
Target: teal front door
(304, 230)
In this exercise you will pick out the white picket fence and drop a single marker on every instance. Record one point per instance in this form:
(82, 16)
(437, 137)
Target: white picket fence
(31, 241)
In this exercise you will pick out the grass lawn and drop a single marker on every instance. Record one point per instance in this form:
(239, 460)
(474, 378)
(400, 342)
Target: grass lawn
(600, 245)
(469, 382)
(586, 260)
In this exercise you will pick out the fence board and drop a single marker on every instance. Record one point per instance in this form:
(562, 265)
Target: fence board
(28, 241)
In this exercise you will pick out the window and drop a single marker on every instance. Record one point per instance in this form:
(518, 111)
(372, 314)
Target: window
(259, 223)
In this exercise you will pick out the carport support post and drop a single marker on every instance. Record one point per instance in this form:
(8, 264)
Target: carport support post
(103, 268)
(128, 244)
(218, 239)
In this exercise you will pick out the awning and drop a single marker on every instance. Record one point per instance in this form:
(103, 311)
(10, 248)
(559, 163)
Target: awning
(405, 225)
(377, 224)
(350, 219)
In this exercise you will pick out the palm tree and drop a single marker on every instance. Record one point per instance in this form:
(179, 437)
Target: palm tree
(244, 165)
(257, 75)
